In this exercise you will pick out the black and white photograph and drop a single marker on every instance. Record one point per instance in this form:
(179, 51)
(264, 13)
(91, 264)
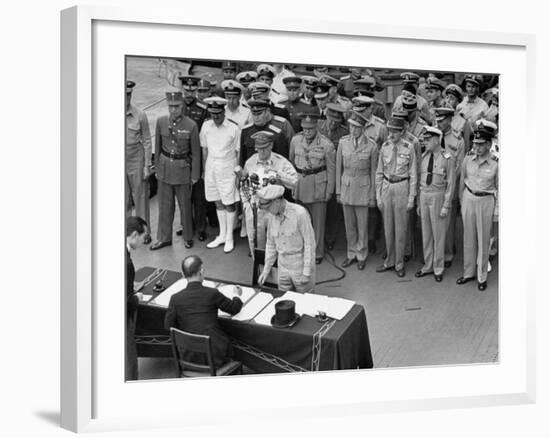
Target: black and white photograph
(286, 218)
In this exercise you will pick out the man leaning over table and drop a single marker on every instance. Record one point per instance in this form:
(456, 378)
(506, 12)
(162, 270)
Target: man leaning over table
(290, 241)
(195, 310)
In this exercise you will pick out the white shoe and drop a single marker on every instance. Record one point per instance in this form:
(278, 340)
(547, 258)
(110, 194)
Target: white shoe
(228, 247)
(219, 240)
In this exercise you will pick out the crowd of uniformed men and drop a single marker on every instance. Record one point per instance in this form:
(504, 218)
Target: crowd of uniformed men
(338, 152)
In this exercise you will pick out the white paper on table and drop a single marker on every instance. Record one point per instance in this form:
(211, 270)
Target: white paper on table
(339, 307)
(253, 307)
(229, 291)
(334, 307)
(163, 299)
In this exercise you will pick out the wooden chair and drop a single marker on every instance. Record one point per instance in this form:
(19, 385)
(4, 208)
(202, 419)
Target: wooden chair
(184, 341)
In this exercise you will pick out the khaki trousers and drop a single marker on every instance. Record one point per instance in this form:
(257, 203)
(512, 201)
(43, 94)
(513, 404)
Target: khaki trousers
(477, 215)
(434, 230)
(394, 199)
(137, 194)
(318, 213)
(167, 206)
(356, 218)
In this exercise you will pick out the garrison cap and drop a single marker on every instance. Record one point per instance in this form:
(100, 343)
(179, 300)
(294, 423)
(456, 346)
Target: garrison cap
(335, 112)
(262, 139)
(435, 84)
(409, 77)
(174, 97)
(258, 88)
(321, 90)
(189, 82)
(443, 112)
(409, 88)
(129, 86)
(270, 192)
(453, 89)
(215, 104)
(474, 79)
(431, 131)
(361, 102)
(310, 81)
(257, 105)
(204, 84)
(357, 119)
(329, 80)
(292, 82)
(231, 87)
(266, 70)
(396, 123)
(309, 119)
(246, 77)
(229, 65)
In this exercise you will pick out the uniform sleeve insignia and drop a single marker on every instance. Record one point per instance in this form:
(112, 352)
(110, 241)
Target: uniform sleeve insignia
(274, 128)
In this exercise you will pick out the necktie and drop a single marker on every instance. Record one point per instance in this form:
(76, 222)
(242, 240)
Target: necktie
(430, 169)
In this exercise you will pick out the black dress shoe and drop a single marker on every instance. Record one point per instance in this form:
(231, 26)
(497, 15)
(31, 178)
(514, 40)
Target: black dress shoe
(438, 277)
(421, 273)
(400, 273)
(361, 264)
(448, 263)
(147, 239)
(159, 245)
(188, 244)
(372, 246)
(384, 268)
(202, 236)
(318, 260)
(347, 262)
(179, 232)
(463, 280)
(482, 286)
(407, 257)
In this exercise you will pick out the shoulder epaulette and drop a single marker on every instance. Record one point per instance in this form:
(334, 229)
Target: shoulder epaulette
(278, 105)
(344, 78)
(345, 137)
(378, 119)
(280, 119)
(245, 105)
(495, 158)
(275, 128)
(232, 121)
(201, 105)
(422, 121)
(248, 125)
(446, 154)
(407, 143)
(305, 101)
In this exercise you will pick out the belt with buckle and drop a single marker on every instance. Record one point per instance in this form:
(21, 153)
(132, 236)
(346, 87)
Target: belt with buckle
(479, 193)
(307, 172)
(174, 156)
(395, 179)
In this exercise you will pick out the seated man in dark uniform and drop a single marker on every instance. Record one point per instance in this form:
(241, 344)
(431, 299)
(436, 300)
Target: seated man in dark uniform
(195, 310)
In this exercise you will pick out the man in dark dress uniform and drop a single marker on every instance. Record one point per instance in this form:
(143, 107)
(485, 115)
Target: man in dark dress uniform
(178, 168)
(136, 231)
(295, 105)
(195, 310)
(196, 111)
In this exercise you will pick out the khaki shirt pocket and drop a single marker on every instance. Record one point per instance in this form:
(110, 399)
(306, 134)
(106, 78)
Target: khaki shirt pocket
(403, 162)
(321, 182)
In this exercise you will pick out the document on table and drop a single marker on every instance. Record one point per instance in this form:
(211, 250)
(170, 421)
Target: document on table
(163, 299)
(252, 308)
(334, 307)
(229, 291)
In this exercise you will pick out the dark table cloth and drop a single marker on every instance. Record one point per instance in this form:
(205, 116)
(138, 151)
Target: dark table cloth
(309, 345)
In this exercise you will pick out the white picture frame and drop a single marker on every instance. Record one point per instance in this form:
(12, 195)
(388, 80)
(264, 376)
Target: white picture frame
(89, 400)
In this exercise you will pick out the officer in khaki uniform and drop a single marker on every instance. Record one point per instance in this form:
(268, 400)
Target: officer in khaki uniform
(334, 129)
(138, 160)
(453, 143)
(313, 156)
(375, 129)
(479, 199)
(356, 162)
(266, 165)
(437, 185)
(178, 168)
(396, 179)
(290, 241)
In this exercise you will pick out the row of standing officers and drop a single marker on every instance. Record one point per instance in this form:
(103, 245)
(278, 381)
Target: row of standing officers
(344, 155)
